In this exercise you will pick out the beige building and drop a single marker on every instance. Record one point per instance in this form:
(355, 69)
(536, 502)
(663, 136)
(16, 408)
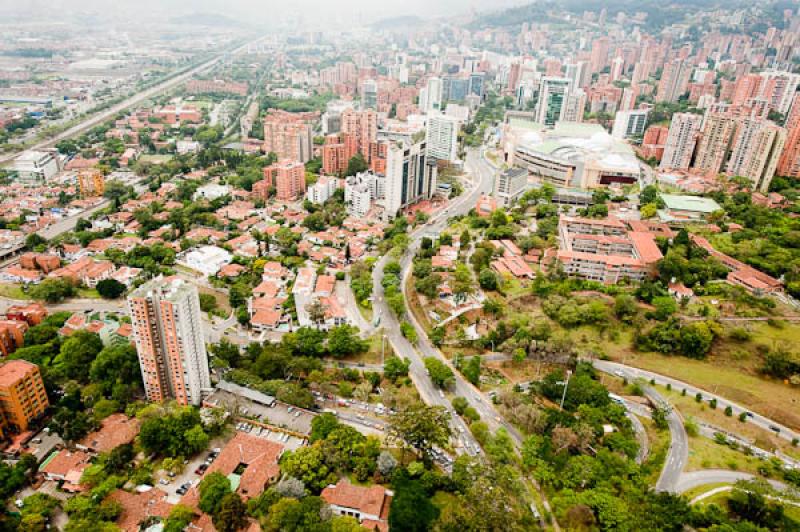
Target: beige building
(681, 141)
(756, 150)
(715, 141)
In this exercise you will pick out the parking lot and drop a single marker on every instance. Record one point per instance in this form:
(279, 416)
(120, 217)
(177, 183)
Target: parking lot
(280, 414)
(289, 441)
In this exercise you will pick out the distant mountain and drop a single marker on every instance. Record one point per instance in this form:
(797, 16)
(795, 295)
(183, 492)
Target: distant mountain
(398, 23)
(206, 19)
(659, 12)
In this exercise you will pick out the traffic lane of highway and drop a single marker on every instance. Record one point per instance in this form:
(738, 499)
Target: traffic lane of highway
(757, 419)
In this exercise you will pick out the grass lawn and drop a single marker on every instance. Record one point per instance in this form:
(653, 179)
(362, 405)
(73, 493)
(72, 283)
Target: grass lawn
(659, 442)
(12, 291)
(87, 293)
(373, 354)
(223, 303)
(157, 159)
(707, 454)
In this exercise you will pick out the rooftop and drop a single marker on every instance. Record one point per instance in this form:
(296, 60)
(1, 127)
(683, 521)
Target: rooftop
(690, 203)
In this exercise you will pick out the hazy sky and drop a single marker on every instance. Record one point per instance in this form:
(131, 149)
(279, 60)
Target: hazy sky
(256, 10)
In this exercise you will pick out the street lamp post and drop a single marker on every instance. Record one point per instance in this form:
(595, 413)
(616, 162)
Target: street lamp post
(566, 384)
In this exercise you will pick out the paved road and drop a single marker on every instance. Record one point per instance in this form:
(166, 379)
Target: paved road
(694, 479)
(133, 100)
(678, 453)
(414, 354)
(756, 419)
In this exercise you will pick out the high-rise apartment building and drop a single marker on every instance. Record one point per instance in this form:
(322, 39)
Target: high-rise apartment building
(553, 96)
(779, 89)
(746, 87)
(629, 124)
(681, 141)
(674, 81)
(288, 178)
(715, 141)
(441, 137)
(514, 77)
(168, 330)
(362, 126)
(755, 152)
(22, 395)
(599, 58)
(789, 164)
(288, 135)
(410, 177)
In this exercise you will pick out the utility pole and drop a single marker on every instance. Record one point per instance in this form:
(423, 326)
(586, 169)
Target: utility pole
(566, 384)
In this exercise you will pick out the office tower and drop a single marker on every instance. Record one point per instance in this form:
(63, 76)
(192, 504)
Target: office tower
(433, 96)
(674, 81)
(441, 137)
(369, 94)
(22, 395)
(288, 135)
(168, 330)
(510, 185)
(599, 57)
(553, 94)
(362, 126)
(755, 152)
(410, 176)
(715, 140)
(477, 84)
(681, 141)
(288, 178)
(91, 182)
(629, 124)
(575, 106)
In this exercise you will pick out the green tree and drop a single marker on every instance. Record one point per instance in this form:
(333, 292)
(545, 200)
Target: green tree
(76, 355)
(439, 372)
(343, 341)
(52, 290)
(110, 288)
(231, 515)
(356, 164)
(488, 279)
(395, 367)
(213, 489)
(411, 509)
(408, 331)
(421, 426)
